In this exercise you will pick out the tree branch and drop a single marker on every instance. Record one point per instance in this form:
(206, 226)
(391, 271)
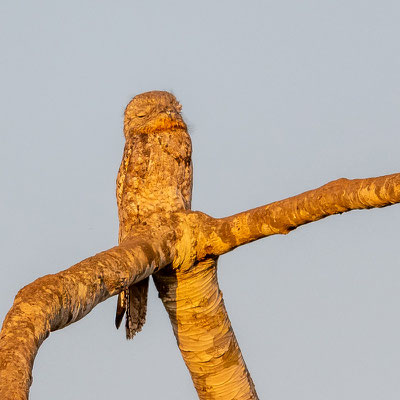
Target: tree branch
(203, 331)
(55, 301)
(224, 234)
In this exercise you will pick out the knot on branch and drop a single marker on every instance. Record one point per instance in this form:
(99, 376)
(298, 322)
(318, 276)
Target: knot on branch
(193, 237)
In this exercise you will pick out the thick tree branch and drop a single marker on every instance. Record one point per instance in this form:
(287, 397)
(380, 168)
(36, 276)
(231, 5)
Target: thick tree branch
(55, 301)
(204, 332)
(222, 235)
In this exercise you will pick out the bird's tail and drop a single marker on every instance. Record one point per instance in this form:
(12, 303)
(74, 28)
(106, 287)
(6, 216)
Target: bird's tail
(133, 302)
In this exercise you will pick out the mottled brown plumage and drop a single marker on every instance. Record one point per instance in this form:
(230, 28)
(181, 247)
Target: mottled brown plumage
(155, 176)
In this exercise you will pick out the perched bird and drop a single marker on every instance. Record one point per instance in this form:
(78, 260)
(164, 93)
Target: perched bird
(155, 176)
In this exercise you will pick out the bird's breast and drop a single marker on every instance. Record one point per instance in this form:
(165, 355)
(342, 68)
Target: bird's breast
(155, 176)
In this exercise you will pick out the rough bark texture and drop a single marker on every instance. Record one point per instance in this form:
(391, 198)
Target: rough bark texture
(55, 301)
(159, 235)
(203, 331)
(281, 217)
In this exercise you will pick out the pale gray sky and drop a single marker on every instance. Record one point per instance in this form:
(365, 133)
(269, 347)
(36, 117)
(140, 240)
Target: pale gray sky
(280, 97)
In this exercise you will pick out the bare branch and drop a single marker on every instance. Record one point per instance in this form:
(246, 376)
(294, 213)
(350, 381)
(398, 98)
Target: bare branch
(55, 301)
(222, 235)
(194, 302)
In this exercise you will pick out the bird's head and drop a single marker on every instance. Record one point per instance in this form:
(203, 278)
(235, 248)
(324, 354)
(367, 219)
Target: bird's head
(152, 112)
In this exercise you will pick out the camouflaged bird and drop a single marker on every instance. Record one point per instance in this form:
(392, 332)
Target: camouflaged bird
(155, 176)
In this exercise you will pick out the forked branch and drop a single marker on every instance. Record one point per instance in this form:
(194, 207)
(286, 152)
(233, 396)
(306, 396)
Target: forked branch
(181, 239)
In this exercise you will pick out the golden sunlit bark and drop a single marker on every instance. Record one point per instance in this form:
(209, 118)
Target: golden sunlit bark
(281, 217)
(55, 301)
(204, 334)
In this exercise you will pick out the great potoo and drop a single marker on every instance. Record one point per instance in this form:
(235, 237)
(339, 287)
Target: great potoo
(155, 176)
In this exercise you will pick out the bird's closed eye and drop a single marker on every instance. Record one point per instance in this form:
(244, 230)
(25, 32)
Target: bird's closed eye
(141, 114)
